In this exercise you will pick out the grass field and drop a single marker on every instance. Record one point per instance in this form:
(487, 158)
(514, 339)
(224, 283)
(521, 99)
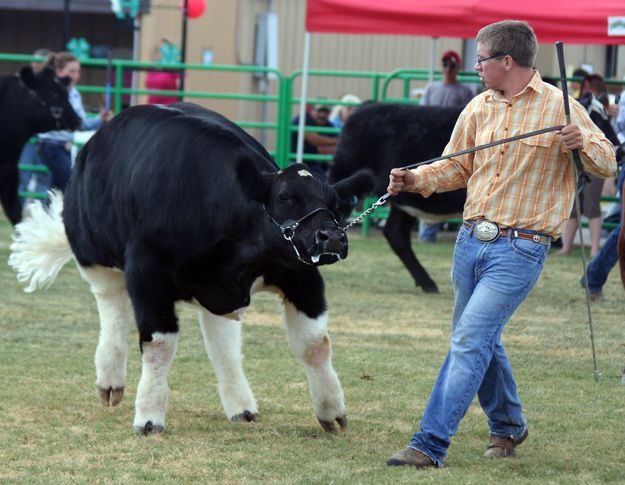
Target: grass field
(389, 341)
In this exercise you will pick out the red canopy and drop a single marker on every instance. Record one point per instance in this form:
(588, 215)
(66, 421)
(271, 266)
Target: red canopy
(572, 21)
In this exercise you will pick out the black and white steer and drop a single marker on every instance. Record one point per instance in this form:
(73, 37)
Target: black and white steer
(29, 104)
(178, 203)
(382, 136)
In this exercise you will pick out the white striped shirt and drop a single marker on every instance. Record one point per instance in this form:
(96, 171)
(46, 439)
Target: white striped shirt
(526, 184)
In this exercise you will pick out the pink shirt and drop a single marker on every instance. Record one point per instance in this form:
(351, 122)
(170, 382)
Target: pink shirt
(163, 80)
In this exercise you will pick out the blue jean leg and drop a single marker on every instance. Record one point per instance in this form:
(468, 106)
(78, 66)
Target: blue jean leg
(427, 232)
(30, 156)
(490, 281)
(600, 266)
(59, 162)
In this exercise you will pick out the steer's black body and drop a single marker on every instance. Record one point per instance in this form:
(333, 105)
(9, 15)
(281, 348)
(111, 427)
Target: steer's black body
(180, 199)
(178, 203)
(29, 104)
(382, 136)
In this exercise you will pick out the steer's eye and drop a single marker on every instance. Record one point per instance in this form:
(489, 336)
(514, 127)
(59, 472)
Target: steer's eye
(283, 196)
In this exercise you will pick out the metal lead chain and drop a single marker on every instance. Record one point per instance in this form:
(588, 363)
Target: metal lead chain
(381, 201)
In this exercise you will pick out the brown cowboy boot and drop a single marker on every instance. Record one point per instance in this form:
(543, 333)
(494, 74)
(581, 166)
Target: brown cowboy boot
(503, 447)
(411, 457)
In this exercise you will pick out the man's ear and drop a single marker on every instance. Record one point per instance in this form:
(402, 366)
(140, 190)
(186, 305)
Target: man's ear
(255, 185)
(28, 76)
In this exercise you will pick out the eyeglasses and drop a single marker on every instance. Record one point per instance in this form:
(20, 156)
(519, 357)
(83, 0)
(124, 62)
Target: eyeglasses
(479, 60)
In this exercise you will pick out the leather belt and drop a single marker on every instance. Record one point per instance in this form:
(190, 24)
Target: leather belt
(487, 231)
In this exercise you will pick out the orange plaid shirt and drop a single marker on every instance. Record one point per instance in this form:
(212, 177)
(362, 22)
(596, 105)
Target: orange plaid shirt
(526, 184)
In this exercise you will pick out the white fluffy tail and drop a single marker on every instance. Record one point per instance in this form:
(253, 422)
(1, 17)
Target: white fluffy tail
(40, 247)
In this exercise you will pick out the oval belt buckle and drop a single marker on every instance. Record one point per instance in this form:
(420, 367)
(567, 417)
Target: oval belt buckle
(486, 231)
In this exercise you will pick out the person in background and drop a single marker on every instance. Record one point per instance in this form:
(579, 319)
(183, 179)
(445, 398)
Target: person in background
(162, 79)
(602, 263)
(519, 197)
(316, 143)
(448, 92)
(54, 146)
(619, 120)
(34, 181)
(340, 112)
(592, 90)
(575, 86)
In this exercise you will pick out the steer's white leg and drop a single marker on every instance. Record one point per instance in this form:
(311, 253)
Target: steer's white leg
(222, 340)
(310, 343)
(115, 311)
(153, 391)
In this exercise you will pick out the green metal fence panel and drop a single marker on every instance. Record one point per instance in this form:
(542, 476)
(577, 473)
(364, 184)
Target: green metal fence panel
(373, 77)
(284, 99)
(117, 91)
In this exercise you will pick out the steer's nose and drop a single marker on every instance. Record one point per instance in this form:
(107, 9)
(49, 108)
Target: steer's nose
(331, 240)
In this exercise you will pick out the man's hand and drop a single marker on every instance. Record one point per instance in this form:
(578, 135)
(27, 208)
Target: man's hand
(572, 137)
(400, 181)
(106, 116)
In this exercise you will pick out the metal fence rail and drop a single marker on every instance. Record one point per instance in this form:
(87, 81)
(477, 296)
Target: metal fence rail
(379, 84)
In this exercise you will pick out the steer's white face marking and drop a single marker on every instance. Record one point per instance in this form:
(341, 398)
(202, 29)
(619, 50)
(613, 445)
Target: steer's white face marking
(304, 173)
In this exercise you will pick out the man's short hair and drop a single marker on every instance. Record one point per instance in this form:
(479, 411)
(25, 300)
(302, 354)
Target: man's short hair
(514, 38)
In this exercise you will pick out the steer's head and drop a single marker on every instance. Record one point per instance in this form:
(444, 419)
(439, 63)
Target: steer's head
(304, 210)
(50, 108)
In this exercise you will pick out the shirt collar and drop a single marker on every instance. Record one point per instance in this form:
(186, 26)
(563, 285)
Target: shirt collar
(535, 84)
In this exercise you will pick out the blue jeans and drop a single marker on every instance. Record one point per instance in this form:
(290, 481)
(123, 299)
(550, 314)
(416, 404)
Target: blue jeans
(35, 181)
(59, 162)
(427, 232)
(602, 263)
(490, 281)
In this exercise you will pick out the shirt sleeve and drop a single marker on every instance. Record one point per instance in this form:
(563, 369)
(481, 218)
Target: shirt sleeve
(91, 123)
(452, 173)
(620, 119)
(597, 152)
(87, 122)
(425, 99)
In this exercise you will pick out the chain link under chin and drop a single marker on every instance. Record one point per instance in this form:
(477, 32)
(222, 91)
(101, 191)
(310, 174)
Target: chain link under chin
(381, 201)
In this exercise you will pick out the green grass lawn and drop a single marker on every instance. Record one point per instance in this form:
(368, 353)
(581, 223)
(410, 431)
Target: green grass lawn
(388, 339)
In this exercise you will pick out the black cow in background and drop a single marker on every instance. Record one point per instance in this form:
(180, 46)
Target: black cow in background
(381, 136)
(170, 203)
(29, 104)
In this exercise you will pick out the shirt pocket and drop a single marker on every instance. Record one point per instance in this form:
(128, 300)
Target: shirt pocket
(539, 142)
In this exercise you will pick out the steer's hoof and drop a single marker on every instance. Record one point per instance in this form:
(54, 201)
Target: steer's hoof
(106, 394)
(149, 428)
(330, 427)
(430, 288)
(245, 416)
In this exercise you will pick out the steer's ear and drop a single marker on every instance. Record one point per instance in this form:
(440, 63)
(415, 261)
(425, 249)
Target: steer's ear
(353, 188)
(357, 184)
(256, 185)
(28, 76)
